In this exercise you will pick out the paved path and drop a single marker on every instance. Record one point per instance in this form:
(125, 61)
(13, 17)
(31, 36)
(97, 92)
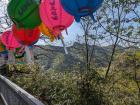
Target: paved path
(1, 103)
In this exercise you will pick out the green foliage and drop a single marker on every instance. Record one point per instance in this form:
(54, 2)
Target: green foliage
(57, 88)
(76, 88)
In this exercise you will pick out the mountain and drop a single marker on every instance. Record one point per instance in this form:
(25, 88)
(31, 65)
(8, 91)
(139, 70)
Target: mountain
(51, 57)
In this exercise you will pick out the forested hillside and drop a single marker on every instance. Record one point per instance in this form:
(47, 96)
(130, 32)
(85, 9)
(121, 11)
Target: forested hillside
(79, 88)
(51, 57)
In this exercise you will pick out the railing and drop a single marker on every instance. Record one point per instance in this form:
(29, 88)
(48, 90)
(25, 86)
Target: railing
(12, 94)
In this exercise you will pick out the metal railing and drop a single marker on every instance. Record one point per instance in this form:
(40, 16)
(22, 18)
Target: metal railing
(12, 94)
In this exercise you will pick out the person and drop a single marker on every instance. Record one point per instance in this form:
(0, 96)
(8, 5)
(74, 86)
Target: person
(3, 65)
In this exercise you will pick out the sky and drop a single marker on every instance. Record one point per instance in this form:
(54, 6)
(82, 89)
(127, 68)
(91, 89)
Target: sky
(69, 38)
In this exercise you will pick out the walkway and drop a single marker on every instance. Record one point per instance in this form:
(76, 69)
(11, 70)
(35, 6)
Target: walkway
(14, 95)
(1, 102)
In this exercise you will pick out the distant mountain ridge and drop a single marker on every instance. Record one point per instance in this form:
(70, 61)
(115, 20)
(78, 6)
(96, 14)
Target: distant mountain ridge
(55, 57)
